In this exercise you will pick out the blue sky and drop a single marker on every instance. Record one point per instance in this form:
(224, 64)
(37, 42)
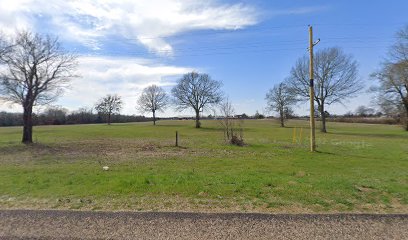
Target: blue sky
(125, 46)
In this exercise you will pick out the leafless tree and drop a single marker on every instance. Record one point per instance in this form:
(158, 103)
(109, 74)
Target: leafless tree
(109, 105)
(5, 46)
(226, 119)
(393, 79)
(36, 71)
(280, 99)
(233, 127)
(335, 79)
(399, 51)
(197, 91)
(153, 99)
(393, 89)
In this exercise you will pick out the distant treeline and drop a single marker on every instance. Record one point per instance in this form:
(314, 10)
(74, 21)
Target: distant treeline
(369, 120)
(60, 116)
(362, 114)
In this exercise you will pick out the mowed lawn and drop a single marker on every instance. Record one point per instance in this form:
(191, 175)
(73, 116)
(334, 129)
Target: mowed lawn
(358, 168)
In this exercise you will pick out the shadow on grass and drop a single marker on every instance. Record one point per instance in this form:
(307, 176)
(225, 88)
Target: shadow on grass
(34, 149)
(379, 135)
(325, 153)
(211, 129)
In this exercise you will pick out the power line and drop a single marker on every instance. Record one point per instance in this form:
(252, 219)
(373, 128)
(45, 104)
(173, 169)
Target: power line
(260, 28)
(255, 45)
(246, 52)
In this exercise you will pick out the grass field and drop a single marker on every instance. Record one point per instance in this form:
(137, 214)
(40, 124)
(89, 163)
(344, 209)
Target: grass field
(359, 168)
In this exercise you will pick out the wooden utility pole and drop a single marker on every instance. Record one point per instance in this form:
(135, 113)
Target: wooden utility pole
(311, 92)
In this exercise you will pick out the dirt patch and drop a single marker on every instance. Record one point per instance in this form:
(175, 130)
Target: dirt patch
(101, 150)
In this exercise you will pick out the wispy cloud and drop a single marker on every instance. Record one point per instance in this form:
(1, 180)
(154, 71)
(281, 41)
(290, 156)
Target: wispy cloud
(147, 22)
(299, 11)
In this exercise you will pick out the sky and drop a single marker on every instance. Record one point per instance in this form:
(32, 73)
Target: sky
(249, 45)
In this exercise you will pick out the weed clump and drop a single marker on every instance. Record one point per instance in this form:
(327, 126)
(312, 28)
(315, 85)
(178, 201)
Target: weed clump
(235, 140)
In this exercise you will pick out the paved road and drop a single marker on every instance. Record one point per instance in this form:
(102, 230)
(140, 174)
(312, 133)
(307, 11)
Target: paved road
(25, 224)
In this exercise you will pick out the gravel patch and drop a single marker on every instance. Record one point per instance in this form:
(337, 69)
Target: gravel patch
(50, 224)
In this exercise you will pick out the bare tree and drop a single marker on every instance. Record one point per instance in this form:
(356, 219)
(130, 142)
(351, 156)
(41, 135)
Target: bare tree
(5, 46)
(393, 79)
(399, 51)
(335, 79)
(393, 89)
(109, 105)
(280, 99)
(233, 127)
(153, 99)
(36, 71)
(197, 91)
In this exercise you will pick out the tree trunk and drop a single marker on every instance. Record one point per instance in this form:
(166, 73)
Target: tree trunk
(109, 118)
(406, 123)
(323, 115)
(282, 120)
(406, 117)
(198, 124)
(154, 117)
(28, 125)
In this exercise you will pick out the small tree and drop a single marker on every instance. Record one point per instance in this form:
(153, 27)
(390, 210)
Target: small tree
(196, 91)
(280, 99)
(36, 70)
(109, 105)
(153, 99)
(233, 130)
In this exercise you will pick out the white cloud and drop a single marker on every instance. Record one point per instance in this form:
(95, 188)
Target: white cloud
(123, 76)
(147, 22)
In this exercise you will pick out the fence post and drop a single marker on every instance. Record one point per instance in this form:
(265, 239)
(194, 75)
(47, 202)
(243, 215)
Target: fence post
(176, 138)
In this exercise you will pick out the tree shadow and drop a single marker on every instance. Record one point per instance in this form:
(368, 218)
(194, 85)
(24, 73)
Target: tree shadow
(386, 135)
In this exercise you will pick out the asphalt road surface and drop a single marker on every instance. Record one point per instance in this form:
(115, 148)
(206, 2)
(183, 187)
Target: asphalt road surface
(37, 224)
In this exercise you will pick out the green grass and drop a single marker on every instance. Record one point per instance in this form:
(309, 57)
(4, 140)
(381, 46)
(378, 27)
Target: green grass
(359, 168)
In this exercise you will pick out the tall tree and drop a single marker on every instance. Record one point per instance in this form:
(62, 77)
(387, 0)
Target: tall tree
(335, 79)
(280, 99)
(393, 78)
(109, 105)
(36, 71)
(197, 91)
(153, 99)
